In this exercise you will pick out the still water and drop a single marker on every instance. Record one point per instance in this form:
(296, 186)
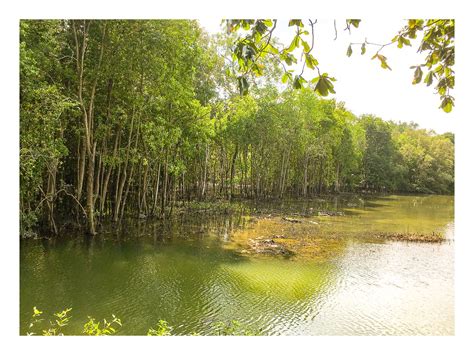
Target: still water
(190, 273)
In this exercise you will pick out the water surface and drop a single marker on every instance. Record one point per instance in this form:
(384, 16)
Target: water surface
(187, 272)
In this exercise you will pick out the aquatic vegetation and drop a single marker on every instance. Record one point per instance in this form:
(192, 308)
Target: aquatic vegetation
(101, 328)
(322, 233)
(234, 328)
(60, 321)
(162, 329)
(105, 327)
(262, 245)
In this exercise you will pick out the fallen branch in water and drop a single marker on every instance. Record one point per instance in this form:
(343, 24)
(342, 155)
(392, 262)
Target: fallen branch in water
(412, 237)
(292, 220)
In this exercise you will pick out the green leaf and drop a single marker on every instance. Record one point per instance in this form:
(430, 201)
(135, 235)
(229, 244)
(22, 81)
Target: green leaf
(294, 43)
(322, 88)
(362, 49)
(311, 62)
(349, 50)
(36, 311)
(323, 85)
(447, 104)
(288, 58)
(401, 41)
(298, 23)
(305, 46)
(418, 75)
(243, 85)
(268, 23)
(297, 82)
(270, 48)
(257, 69)
(384, 65)
(429, 78)
(353, 22)
(383, 61)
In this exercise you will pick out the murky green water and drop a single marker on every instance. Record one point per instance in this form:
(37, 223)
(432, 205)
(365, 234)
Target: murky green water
(186, 273)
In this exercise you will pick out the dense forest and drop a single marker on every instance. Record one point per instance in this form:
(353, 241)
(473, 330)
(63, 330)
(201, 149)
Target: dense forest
(127, 118)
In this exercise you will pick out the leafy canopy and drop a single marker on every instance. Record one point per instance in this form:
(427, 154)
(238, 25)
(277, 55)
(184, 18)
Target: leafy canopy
(255, 41)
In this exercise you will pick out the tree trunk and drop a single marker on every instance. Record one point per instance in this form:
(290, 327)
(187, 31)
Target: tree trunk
(305, 179)
(90, 193)
(204, 178)
(232, 172)
(155, 201)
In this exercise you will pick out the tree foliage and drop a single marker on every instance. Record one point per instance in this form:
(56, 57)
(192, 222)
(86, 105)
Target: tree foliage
(255, 41)
(126, 118)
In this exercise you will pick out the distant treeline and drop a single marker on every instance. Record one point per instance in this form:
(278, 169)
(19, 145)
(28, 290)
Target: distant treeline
(124, 118)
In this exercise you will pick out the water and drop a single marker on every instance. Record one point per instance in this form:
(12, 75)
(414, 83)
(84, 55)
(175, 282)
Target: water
(190, 272)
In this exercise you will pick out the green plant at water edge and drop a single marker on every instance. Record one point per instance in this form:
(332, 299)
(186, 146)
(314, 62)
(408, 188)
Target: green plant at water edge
(97, 328)
(221, 328)
(34, 320)
(60, 321)
(234, 328)
(162, 329)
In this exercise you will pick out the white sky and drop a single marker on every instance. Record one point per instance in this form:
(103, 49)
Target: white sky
(361, 83)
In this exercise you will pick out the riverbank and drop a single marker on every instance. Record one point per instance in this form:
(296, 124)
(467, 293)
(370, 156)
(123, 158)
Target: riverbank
(289, 209)
(315, 228)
